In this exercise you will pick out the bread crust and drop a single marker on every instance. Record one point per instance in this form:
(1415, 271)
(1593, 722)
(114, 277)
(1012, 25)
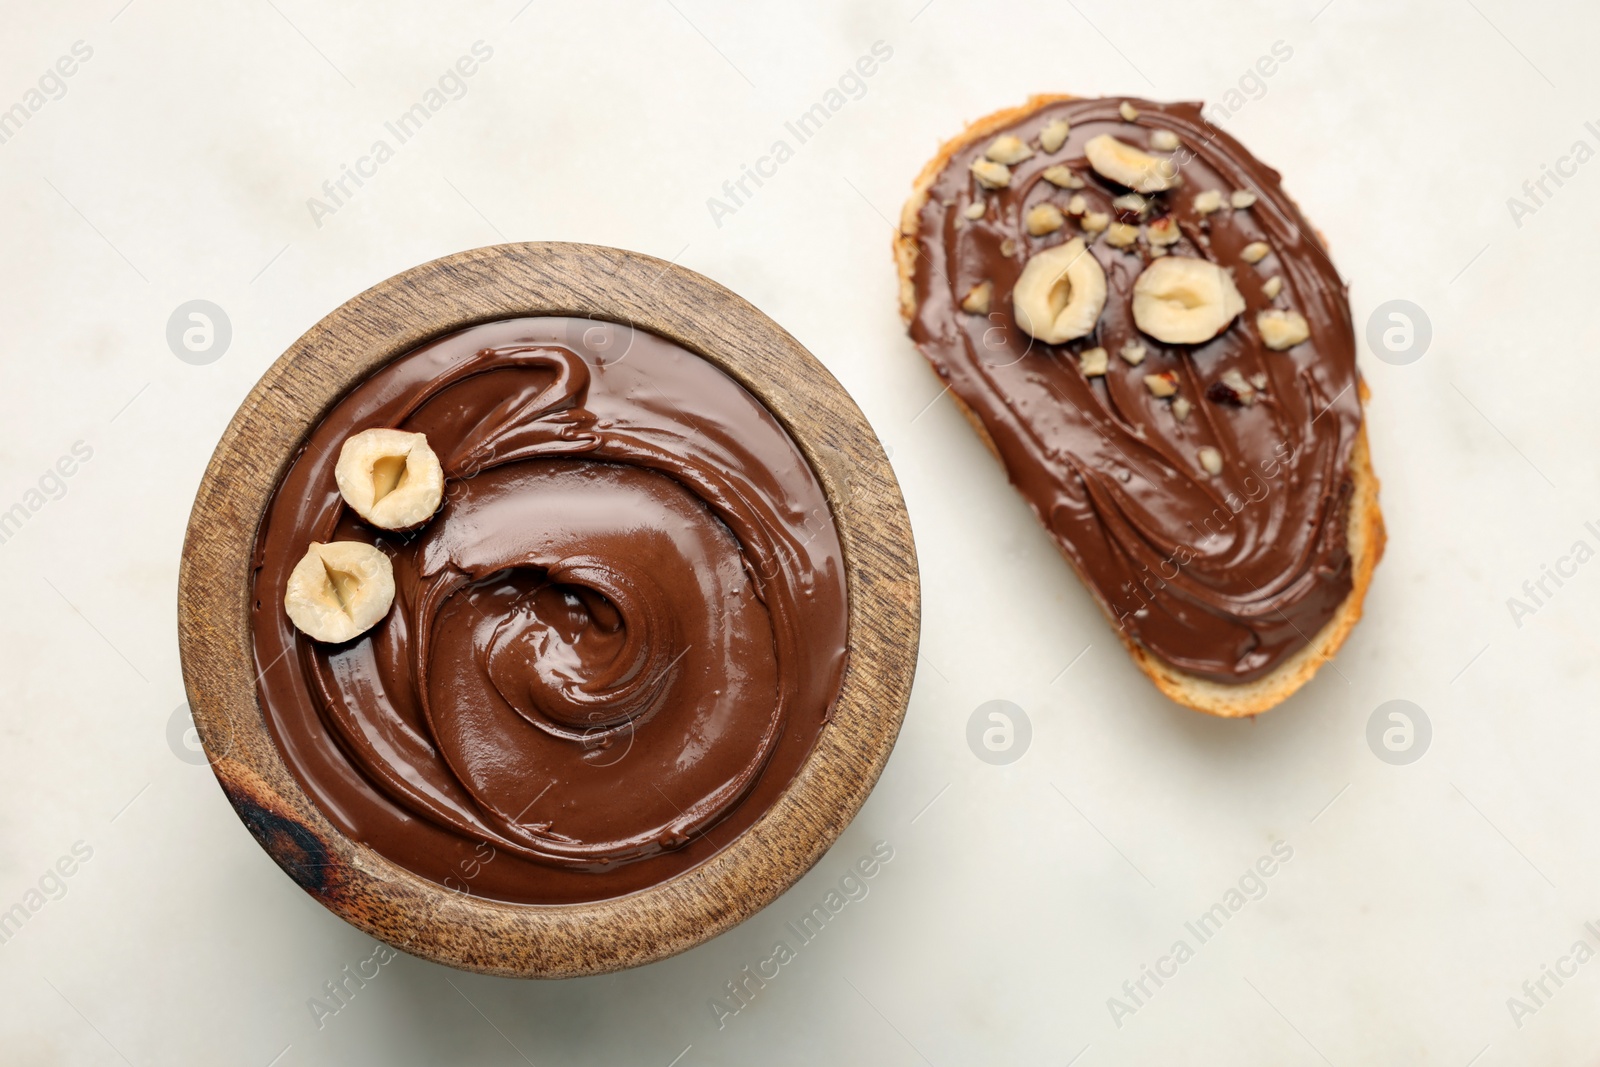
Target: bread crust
(1366, 535)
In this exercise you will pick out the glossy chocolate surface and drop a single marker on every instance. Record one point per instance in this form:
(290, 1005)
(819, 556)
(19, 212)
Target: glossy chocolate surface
(1223, 576)
(610, 650)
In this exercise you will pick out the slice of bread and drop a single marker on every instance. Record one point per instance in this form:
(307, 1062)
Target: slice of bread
(1365, 529)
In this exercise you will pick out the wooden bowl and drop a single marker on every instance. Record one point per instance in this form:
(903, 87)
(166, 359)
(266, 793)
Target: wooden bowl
(392, 318)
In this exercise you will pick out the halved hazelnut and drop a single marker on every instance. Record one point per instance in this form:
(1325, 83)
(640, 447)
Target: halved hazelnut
(1060, 294)
(1183, 300)
(1127, 111)
(390, 478)
(1077, 205)
(1273, 287)
(1242, 198)
(1211, 460)
(1255, 251)
(1207, 202)
(976, 209)
(1164, 141)
(1130, 166)
(339, 590)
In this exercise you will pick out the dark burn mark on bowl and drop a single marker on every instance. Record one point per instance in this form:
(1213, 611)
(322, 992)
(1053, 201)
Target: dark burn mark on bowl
(298, 850)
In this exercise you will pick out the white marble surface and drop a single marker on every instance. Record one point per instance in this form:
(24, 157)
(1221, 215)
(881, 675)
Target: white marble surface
(1419, 898)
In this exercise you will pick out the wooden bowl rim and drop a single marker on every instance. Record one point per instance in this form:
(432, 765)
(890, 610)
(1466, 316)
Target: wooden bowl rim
(394, 317)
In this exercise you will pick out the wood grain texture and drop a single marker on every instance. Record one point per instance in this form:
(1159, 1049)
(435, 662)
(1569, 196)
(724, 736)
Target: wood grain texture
(505, 281)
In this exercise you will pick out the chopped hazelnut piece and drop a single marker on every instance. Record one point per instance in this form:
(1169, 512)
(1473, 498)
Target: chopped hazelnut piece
(1164, 141)
(1164, 231)
(1132, 203)
(1259, 379)
(1054, 135)
(1121, 235)
(976, 302)
(1162, 385)
(1008, 149)
(1181, 408)
(1207, 202)
(1077, 205)
(1255, 251)
(975, 209)
(1095, 221)
(1232, 389)
(1044, 218)
(1008, 247)
(1134, 352)
(1282, 329)
(1093, 362)
(1242, 198)
(1211, 460)
(991, 175)
(1128, 112)
(1062, 176)
(1273, 287)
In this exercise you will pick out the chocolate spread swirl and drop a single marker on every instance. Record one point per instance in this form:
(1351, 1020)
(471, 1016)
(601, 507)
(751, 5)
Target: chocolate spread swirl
(610, 650)
(1223, 576)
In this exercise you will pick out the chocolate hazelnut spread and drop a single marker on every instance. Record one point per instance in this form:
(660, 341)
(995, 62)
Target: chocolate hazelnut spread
(1200, 489)
(609, 651)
